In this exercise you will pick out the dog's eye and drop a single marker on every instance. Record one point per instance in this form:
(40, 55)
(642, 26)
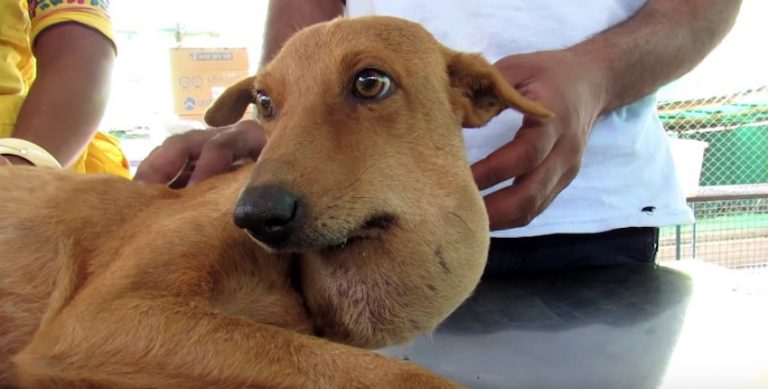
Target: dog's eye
(264, 105)
(371, 84)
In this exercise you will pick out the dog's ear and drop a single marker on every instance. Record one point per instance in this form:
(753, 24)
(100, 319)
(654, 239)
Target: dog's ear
(480, 92)
(231, 105)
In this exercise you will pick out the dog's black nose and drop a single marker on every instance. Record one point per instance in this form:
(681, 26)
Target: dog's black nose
(270, 213)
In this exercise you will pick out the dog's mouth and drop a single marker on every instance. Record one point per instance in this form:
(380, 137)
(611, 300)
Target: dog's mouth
(371, 228)
(329, 240)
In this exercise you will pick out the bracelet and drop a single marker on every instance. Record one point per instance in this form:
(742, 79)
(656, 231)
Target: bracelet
(29, 151)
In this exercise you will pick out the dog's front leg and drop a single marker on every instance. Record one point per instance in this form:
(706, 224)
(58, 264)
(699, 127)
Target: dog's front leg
(169, 343)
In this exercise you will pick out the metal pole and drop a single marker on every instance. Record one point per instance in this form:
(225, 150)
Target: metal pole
(693, 232)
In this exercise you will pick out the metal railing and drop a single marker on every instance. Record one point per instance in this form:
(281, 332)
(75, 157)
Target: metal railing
(731, 229)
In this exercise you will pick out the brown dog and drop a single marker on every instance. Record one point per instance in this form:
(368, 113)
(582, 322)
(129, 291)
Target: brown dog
(370, 231)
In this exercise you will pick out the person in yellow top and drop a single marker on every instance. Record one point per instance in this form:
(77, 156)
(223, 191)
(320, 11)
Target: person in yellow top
(56, 60)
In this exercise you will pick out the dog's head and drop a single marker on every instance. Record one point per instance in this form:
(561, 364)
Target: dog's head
(364, 173)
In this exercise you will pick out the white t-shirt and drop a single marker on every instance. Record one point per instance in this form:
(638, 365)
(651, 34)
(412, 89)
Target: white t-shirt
(627, 177)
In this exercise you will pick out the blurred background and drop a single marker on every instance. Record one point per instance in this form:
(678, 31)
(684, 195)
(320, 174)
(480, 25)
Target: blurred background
(174, 57)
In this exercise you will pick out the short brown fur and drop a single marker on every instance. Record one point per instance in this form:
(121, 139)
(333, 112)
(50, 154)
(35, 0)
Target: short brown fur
(108, 283)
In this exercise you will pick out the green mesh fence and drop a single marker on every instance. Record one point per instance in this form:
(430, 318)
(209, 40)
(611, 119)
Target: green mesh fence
(736, 130)
(731, 228)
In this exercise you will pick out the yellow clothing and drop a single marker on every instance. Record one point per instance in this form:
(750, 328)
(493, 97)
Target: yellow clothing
(20, 23)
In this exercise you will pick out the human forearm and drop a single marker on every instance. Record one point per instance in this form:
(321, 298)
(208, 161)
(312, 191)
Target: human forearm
(662, 41)
(285, 17)
(67, 100)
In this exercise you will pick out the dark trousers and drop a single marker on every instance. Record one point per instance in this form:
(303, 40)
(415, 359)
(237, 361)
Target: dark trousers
(569, 251)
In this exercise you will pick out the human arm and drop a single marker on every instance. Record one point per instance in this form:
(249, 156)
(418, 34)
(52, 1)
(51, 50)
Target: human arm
(67, 100)
(204, 153)
(286, 17)
(662, 41)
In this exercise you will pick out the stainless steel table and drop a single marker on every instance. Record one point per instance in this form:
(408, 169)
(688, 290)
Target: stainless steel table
(624, 327)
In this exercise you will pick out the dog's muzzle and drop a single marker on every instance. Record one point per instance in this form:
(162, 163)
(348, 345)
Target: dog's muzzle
(269, 213)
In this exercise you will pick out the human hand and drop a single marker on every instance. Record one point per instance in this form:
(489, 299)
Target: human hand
(190, 157)
(545, 155)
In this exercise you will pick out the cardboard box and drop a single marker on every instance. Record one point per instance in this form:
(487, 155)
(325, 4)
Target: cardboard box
(200, 75)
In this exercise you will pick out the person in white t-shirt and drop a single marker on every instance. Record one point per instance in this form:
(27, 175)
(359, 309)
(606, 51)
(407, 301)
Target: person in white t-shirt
(588, 187)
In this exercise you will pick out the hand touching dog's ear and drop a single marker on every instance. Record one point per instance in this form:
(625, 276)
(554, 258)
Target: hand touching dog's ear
(480, 91)
(545, 155)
